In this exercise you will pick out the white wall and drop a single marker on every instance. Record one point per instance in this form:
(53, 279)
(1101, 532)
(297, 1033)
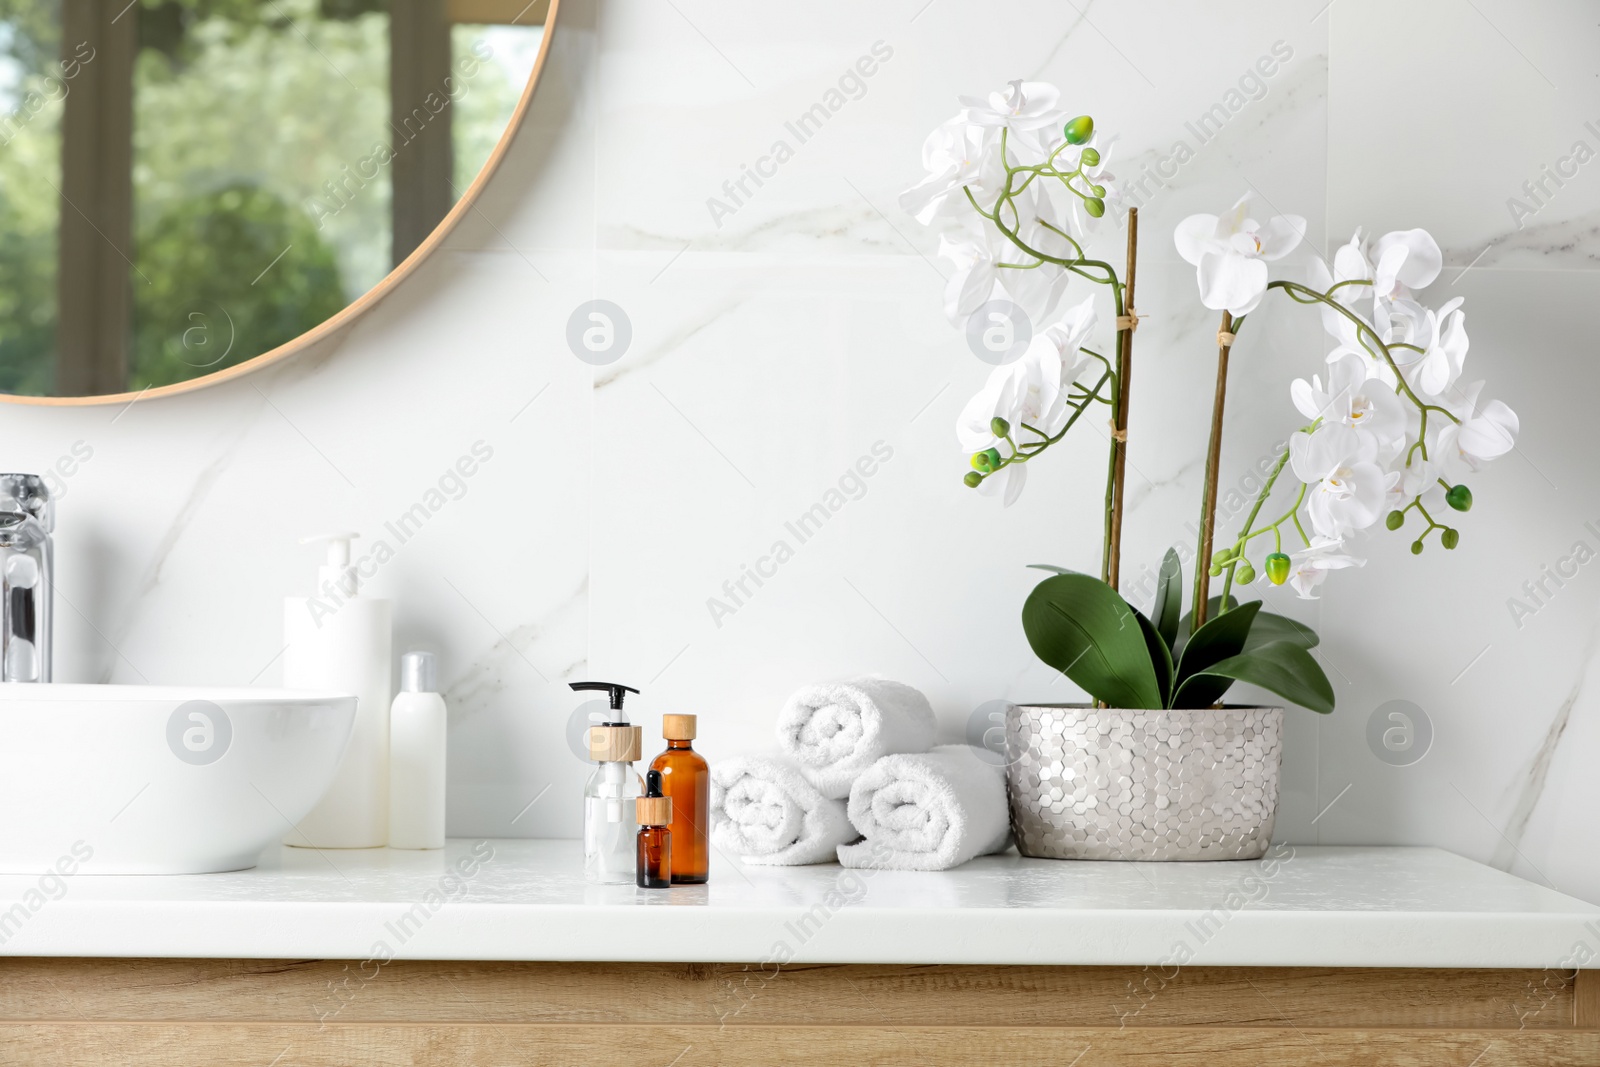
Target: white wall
(774, 350)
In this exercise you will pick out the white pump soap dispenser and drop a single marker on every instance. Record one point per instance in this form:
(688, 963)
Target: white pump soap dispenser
(339, 641)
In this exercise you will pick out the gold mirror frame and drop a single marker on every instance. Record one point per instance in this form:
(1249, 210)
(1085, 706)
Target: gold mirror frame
(364, 303)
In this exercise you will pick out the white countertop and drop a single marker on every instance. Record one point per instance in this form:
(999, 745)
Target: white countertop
(526, 900)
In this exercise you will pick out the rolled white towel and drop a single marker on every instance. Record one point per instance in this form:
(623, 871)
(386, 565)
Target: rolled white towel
(928, 812)
(764, 811)
(835, 731)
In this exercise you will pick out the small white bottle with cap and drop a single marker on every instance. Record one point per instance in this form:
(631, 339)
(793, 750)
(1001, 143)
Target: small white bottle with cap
(417, 722)
(338, 641)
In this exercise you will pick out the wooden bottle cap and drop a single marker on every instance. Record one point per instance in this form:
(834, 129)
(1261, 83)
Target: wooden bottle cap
(608, 744)
(678, 727)
(654, 811)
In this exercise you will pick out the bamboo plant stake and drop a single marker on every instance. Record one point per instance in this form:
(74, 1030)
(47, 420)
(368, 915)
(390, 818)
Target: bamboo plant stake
(1208, 507)
(1127, 322)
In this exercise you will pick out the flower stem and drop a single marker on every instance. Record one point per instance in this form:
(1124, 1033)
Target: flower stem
(1119, 437)
(1244, 535)
(1208, 502)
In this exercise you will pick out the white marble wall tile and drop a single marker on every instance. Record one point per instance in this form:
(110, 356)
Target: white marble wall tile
(1445, 110)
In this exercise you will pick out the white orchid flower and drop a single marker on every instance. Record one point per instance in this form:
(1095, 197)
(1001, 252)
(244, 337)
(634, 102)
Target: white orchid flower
(1397, 264)
(1231, 253)
(1005, 483)
(1066, 336)
(1030, 394)
(1405, 261)
(1347, 487)
(1309, 566)
(1418, 479)
(1440, 364)
(1028, 391)
(976, 273)
(1033, 390)
(957, 155)
(1355, 399)
(1484, 433)
(979, 277)
(1016, 392)
(1037, 289)
(1026, 109)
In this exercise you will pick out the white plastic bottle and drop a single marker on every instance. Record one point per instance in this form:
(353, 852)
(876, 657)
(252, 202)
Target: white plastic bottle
(339, 641)
(417, 723)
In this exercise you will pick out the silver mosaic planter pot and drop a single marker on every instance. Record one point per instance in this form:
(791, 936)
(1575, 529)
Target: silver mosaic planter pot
(1090, 783)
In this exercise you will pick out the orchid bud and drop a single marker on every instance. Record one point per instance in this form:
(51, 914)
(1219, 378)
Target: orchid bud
(1395, 519)
(1098, 190)
(1450, 538)
(1277, 568)
(1215, 570)
(1226, 554)
(987, 461)
(1459, 497)
(973, 479)
(1244, 572)
(999, 427)
(1091, 157)
(1078, 130)
(1416, 547)
(1095, 207)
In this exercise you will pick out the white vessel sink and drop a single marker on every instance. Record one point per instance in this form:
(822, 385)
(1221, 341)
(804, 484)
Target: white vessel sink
(133, 779)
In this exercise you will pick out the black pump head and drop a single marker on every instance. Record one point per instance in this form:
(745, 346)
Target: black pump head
(652, 784)
(616, 691)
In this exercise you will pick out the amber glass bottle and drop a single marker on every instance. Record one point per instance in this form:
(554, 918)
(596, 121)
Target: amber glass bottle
(653, 863)
(687, 780)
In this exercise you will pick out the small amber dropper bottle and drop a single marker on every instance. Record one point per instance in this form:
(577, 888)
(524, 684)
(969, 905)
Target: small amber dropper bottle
(686, 778)
(655, 835)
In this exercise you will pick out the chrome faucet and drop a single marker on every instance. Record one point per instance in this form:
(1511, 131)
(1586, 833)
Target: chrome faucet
(27, 517)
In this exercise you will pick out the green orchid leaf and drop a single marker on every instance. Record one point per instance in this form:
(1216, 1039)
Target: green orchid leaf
(1160, 655)
(1213, 606)
(1052, 568)
(1082, 628)
(1269, 627)
(1169, 598)
(1281, 667)
(1218, 639)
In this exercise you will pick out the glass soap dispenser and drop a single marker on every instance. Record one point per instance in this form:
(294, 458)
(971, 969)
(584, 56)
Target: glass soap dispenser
(610, 817)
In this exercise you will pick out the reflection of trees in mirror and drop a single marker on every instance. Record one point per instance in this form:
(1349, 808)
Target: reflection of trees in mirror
(247, 101)
(200, 311)
(244, 112)
(30, 46)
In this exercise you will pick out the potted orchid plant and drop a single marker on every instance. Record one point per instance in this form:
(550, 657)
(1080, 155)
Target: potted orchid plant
(1157, 767)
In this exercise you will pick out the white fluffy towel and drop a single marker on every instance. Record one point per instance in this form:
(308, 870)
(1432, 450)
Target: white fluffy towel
(835, 731)
(928, 812)
(764, 811)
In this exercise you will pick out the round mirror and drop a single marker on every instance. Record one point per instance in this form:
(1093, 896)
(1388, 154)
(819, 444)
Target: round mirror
(188, 185)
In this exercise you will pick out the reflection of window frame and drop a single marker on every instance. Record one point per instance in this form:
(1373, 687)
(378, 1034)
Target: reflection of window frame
(95, 236)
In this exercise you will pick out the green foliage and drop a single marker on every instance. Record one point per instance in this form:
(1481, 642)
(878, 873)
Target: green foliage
(1281, 667)
(198, 311)
(1084, 629)
(1217, 640)
(1169, 597)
